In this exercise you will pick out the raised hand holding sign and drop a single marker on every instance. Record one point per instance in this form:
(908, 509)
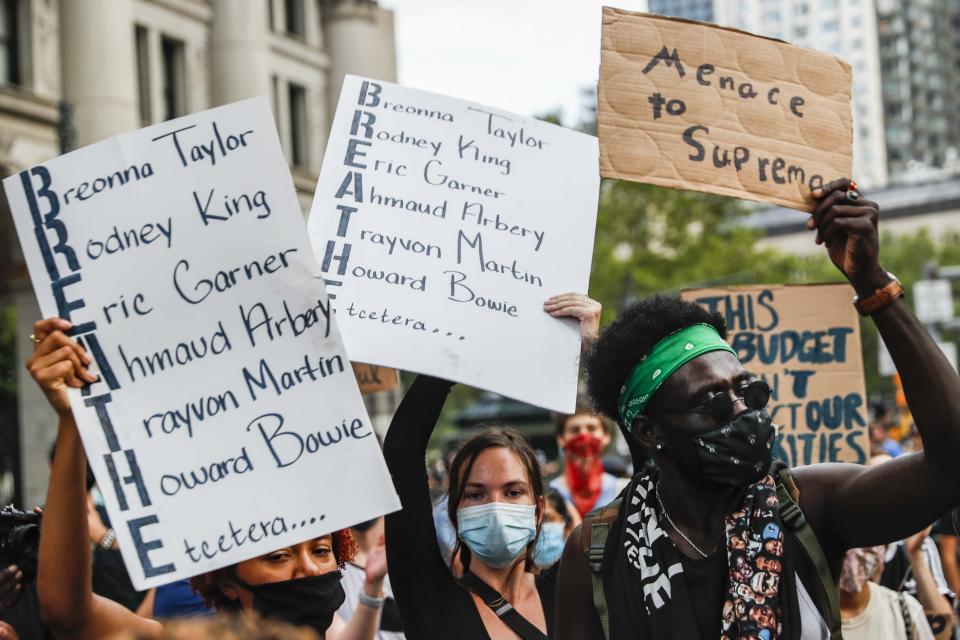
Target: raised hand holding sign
(225, 405)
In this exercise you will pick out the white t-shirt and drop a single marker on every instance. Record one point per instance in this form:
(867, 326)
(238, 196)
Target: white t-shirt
(883, 620)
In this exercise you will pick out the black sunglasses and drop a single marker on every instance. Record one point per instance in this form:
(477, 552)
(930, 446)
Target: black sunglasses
(756, 395)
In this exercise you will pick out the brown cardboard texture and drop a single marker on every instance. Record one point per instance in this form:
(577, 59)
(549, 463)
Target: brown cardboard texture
(805, 342)
(688, 105)
(373, 378)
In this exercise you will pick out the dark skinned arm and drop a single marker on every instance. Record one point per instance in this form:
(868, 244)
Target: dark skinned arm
(67, 602)
(575, 617)
(852, 505)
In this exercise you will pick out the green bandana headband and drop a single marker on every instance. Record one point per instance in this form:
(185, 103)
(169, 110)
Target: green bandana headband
(664, 359)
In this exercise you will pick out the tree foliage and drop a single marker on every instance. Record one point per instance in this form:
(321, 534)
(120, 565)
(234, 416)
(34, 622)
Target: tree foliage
(654, 240)
(650, 239)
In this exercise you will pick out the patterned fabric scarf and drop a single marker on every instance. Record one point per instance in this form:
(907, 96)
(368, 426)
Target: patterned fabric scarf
(751, 607)
(653, 571)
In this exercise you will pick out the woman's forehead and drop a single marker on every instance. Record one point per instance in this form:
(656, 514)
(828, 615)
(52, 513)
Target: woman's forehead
(326, 538)
(498, 464)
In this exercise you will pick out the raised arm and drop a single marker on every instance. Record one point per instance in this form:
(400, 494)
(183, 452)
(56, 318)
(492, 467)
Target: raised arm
(364, 624)
(67, 602)
(413, 554)
(923, 554)
(855, 506)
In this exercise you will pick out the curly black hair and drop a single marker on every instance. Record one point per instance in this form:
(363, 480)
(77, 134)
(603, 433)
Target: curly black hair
(631, 336)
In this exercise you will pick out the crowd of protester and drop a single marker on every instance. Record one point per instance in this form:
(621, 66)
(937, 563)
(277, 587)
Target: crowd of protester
(701, 535)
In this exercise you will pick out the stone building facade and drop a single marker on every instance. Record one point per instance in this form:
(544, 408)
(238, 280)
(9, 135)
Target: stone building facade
(73, 72)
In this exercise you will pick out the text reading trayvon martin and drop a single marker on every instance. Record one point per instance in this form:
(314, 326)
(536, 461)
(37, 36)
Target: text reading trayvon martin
(215, 343)
(441, 226)
(481, 224)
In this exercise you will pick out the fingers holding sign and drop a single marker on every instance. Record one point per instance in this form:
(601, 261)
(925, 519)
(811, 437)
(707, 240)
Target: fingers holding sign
(58, 362)
(579, 306)
(846, 224)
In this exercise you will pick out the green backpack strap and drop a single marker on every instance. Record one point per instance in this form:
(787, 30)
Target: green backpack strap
(596, 525)
(792, 516)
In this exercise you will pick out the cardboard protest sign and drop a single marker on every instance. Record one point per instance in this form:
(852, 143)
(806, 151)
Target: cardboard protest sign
(694, 106)
(442, 226)
(227, 419)
(373, 378)
(805, 342)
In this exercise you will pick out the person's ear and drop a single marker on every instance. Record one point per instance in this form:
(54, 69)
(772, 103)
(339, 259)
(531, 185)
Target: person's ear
(541, 510)
(605, 440)
(229, 588)
(644, 433)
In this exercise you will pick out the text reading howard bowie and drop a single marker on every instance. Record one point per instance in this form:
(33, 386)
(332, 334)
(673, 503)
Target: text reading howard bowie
(441, 226)
(814, 367)
(471, 207)
(214, 395)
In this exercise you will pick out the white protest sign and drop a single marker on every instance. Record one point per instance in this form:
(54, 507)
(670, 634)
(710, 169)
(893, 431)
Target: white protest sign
(442, 226)
(227, 418)
(933, 300)
(886, 366)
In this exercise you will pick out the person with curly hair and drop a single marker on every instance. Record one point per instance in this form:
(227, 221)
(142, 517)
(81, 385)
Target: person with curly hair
(713, 539)
(298, 584)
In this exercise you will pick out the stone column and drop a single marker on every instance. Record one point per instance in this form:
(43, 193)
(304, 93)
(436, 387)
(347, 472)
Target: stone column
(98, 62)
(38, 422)
(239, 52)
(360, 38)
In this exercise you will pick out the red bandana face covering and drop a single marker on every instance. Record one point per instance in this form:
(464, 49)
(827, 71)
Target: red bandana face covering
(584, 471)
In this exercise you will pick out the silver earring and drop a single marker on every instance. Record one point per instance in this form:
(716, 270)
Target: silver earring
(659, 446)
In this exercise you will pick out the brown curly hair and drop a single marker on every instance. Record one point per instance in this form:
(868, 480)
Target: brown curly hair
(207, 585)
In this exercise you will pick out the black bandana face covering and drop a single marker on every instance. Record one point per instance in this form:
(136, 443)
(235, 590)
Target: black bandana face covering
(735, 454)
(303, 602)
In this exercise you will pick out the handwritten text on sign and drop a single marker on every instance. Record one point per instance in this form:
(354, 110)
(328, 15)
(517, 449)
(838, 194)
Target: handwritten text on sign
(694, 106)
(227, 417)
(442, 226)
(805, 342)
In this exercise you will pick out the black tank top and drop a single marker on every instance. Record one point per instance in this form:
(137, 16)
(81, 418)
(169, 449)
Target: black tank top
(707, 583)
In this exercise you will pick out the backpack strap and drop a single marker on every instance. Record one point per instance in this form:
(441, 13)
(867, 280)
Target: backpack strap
(596, 525)
(499, 605)
(792, 516)
(905, 612)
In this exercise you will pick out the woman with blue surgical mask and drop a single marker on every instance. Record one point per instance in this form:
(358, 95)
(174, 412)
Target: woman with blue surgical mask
(496, 505)
(559, 519)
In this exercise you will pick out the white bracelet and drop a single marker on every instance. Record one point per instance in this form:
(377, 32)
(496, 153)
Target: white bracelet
(106, 542)
(370, 601)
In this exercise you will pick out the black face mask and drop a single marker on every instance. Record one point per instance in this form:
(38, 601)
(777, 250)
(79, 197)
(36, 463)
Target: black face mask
(734, 454)
(303, 602)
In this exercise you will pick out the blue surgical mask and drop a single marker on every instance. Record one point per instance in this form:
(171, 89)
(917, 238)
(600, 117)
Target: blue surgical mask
(549, 545)
(497, 533)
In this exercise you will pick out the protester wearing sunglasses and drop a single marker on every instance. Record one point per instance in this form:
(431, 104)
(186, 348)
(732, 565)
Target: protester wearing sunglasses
(712, 538)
